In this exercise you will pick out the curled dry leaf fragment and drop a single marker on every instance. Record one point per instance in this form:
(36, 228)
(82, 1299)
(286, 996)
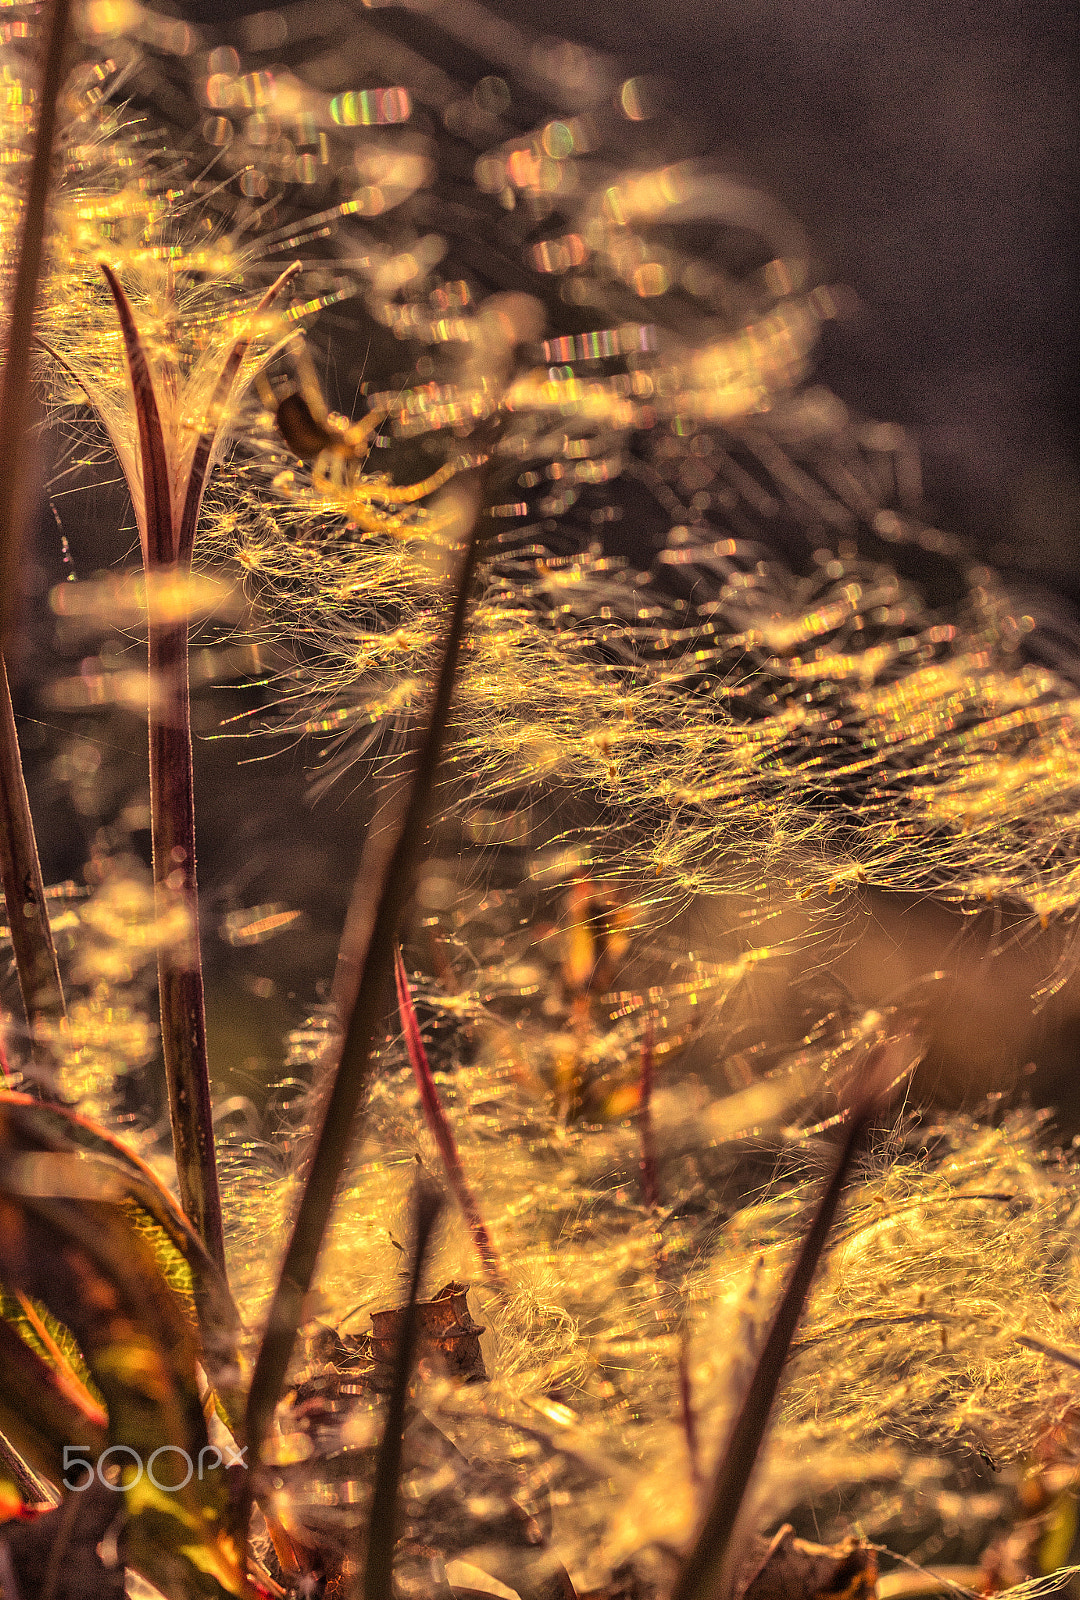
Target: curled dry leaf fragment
(448, 1339)
(786, 1568)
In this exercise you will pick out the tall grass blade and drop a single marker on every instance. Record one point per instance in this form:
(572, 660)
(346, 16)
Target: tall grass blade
(172, 821)
(204, 449)
(20, 868)
(350, 1080)
(15, 385)
(24, 892)
(382, 1521)
(441, 1131)
(153, 456)
(356, 930)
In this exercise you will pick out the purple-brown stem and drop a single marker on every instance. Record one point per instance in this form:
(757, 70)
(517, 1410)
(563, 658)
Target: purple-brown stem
(650, 1179)
(441, 1131)
(167, 544)
(172, 818)
(650, 1185)
(180, 980)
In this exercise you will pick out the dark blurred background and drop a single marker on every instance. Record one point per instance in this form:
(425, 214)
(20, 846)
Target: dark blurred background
(932, 152)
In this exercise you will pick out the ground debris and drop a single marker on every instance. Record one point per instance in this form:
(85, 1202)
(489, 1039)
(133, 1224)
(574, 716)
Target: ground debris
(786, 1568)
(780, 1567)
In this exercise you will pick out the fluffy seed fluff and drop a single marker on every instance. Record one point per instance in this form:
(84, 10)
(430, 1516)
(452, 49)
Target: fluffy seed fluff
(778, 707)
(956, 1242)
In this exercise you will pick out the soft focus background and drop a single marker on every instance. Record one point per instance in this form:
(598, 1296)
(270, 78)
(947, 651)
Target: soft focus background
(931, 152)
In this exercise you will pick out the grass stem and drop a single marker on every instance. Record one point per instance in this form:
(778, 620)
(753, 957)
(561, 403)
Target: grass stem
(168, 530)
(708, 1569)
(172, 820)
(441, 1131)
(24, 892)
(382, 1521)
(337, 1130)
(180, 980)
(20, 867)
(15, 406)
(650, 1176)
(687, 1413)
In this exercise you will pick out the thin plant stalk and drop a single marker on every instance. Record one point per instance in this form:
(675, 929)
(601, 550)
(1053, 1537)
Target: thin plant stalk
(650, 1180)
(169, 528)
(20, 867)
(356, 930)
(687, 1414)
(24, 892)
(1052, 1352)
(650, 1188)
(337, 1129)
(172, 820)
(706, 1573)
(441, 1131)
(382, 1519)
(15, 404)
(180, 980)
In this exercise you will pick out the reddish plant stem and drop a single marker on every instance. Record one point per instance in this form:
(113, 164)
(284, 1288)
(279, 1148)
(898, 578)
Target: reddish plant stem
(172, 813)
(650, 1179)
(441, 1131)
(180, 980)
